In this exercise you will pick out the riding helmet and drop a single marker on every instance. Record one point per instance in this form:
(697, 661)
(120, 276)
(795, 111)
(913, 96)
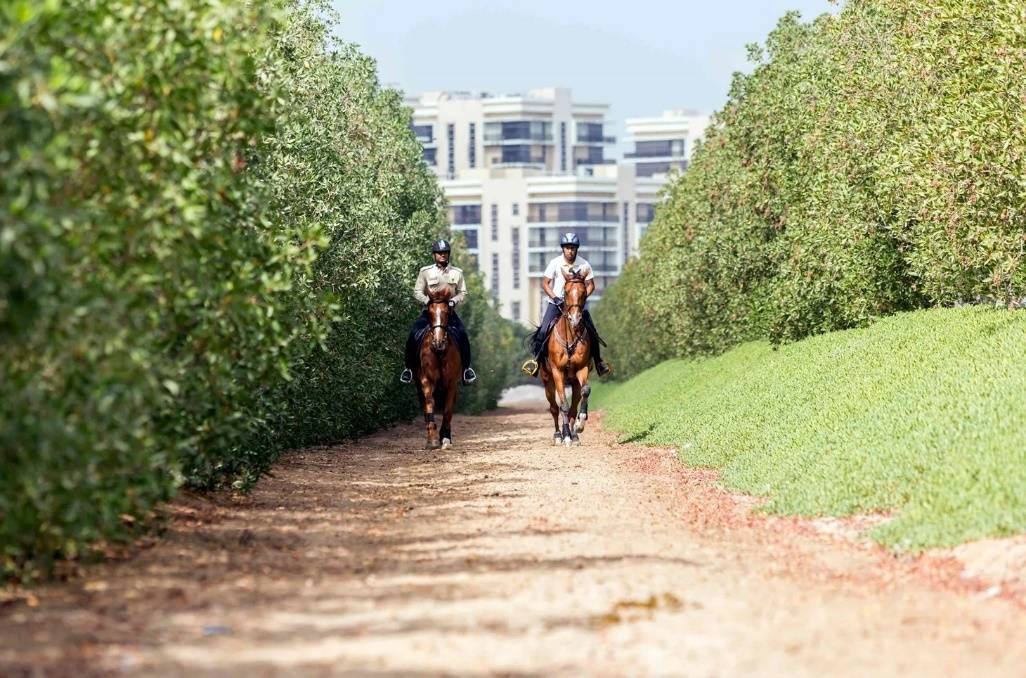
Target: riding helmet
(440, 246)
(569, 239)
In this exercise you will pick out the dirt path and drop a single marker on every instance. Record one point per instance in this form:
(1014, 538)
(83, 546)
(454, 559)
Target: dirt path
(505, 556)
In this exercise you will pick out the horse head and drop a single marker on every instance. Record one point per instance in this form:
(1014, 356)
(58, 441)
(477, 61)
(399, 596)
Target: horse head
(438, 312)
(575, 293)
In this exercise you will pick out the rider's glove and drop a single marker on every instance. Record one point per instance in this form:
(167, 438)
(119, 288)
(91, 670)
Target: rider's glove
(558, 301)
(452, 304)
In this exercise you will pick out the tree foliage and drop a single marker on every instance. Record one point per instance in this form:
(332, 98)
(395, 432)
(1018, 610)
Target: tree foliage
(211, 216)
(871, 162)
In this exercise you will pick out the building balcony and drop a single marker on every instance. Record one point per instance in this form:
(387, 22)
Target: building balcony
(578, 221)
(589, 139)
(517, 132)
(516, 163)
(653, 156)
(546, 140)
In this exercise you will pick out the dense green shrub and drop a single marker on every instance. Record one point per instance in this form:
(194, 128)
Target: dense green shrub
(870, 163)
(211, 217)
(918, 416)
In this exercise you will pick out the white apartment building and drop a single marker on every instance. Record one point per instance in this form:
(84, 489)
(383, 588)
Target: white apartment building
(520, 170)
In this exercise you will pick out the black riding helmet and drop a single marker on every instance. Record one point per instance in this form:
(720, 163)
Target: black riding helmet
(440, 246)
(569, 239)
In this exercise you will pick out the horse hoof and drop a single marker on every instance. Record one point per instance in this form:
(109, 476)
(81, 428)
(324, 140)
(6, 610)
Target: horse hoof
(432, 445)
(579, 426)
(446, 443)
(567, 442)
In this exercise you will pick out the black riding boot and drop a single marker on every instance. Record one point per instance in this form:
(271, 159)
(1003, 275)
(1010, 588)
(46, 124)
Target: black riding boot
(410, 358)
(596, 343)
(463, 343)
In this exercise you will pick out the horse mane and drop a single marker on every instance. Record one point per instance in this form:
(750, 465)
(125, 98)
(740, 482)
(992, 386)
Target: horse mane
(574, 275)
(442, 295)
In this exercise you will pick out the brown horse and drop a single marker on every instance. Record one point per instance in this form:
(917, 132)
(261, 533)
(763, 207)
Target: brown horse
(439, 372)
(568, 354)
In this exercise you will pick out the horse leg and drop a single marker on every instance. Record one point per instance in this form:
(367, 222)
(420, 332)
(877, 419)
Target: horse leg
(582, 413)
(559, 385)
(575, 388)
(550, 395)
(428, 390)
(450, 405)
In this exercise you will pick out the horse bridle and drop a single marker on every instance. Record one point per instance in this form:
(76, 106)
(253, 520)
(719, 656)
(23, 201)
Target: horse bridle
(563, 312)
(444, 326)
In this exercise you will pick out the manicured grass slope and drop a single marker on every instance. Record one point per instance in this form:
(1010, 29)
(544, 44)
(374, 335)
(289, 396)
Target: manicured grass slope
(922, 414)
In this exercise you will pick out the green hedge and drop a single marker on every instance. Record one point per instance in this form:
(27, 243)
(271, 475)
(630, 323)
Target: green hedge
(212, 216)
(918, 416)
(870, 163)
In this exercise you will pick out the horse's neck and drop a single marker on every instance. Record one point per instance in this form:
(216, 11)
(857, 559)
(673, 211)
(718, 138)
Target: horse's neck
(566, 333)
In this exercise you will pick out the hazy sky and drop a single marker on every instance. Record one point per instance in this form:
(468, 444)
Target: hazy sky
(640, 56)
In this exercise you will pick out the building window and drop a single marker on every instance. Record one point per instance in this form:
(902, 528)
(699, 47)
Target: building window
(495, 276)
(649, 169)
(431, 156)
(515, 307)
(591, 155)
(522, 154)
(516, 209)
(495, 222)
(425, 133)
(450, 135)
(646, 212)
(518, 130)
(562, 146)
(465, 215)
(516, 258)
(573, 211)
(472, 150)
(471, 235)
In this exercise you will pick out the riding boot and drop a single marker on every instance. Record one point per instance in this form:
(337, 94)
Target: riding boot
(596, 351)
(411, 360)
(533, 364)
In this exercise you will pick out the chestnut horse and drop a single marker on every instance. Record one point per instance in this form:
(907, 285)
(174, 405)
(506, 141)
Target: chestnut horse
(568, 355)
(439, 372)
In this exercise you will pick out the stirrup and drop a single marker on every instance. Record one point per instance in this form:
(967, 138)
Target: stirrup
(469, 376)
(530, 367)
(407, 376)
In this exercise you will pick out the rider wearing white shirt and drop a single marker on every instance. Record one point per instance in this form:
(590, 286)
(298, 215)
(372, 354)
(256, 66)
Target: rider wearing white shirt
(552, 284)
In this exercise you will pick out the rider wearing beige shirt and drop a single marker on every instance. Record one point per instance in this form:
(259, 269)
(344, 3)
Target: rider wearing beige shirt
(432, 278)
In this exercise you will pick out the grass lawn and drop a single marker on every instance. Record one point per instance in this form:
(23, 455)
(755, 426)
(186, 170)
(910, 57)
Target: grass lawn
(922, 414)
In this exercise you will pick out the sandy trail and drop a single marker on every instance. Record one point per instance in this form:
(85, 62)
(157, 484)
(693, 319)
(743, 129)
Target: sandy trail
(505, 556)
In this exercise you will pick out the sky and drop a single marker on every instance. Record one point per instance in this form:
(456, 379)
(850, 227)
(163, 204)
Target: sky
(639, 56)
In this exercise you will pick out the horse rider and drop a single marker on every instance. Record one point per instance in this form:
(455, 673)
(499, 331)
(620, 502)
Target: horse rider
(431, 279)
(552, 285)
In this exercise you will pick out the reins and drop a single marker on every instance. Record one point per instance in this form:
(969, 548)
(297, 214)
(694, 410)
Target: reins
(570, 346)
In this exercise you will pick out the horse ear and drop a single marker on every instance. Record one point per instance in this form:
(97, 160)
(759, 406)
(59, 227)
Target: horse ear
(566, 276)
